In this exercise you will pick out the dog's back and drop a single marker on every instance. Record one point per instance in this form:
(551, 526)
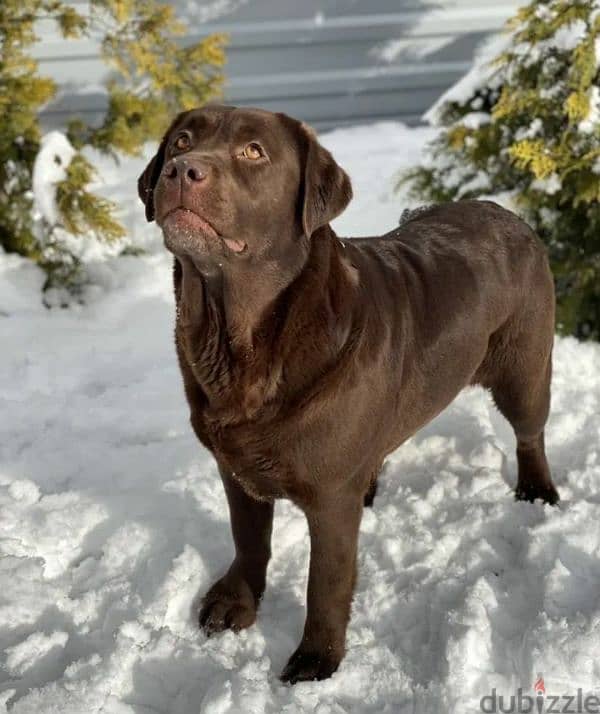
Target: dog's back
(454, 293)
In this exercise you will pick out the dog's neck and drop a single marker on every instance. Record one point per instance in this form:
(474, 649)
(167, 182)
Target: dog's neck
(240, 332)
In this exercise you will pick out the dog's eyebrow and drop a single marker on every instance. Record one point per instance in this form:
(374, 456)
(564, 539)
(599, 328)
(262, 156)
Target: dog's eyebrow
(201, 123)
(247, 129)
(249, 122)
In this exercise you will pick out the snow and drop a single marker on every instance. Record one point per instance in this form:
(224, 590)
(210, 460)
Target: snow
(535, 128)
(114, 521)
(550, 185)
(592, 121)
(475, 120)
(49, 168)
(427, 34)
(413, 48)
(25, 654)
(567, 37)
(209, 11)
(481, 74)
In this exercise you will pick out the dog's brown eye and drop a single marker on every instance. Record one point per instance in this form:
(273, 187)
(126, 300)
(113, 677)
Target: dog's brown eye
(182, 142)
(253, 151)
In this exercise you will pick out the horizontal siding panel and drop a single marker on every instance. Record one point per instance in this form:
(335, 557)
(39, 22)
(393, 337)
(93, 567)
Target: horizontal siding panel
(325, 110)
(280, 33)
(353, 80)
(267, 10)
(322, 85)
(259, 63)
(357, 55)
(335, 108)
(378, 59)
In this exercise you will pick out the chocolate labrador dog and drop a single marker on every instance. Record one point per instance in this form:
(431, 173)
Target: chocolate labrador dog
(306, 359)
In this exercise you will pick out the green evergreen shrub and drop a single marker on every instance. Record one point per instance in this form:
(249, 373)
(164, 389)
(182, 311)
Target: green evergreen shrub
(526, 126)
(153, 76)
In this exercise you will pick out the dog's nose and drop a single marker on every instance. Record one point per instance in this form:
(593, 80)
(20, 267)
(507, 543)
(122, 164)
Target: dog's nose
(186, 170)
(195, 173)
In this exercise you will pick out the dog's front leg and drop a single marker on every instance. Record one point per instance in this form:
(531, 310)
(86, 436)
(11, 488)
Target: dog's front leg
(232, 601)
(333, 528)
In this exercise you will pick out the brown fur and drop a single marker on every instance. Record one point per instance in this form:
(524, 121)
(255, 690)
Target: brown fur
(306, 360)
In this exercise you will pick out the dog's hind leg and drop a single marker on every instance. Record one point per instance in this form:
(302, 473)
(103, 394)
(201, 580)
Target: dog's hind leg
(519, 369)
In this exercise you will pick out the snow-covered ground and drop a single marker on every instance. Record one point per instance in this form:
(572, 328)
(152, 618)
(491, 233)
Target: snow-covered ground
(113, 520)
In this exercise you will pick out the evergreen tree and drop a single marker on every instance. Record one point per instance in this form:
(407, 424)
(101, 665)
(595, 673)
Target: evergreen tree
(153, 77)
(527, 126)
(22, 93)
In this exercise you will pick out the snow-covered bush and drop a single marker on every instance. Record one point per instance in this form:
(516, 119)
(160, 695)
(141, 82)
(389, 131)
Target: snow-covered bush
(48, 210)
(525, 124)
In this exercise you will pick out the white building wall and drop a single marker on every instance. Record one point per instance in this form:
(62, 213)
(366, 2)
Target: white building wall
(327, 62)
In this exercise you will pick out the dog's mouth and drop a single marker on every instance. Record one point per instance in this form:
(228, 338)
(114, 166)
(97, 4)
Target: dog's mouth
(184, 218)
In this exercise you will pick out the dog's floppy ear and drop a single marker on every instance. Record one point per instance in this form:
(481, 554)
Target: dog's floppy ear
(327, 187)
(149, 177)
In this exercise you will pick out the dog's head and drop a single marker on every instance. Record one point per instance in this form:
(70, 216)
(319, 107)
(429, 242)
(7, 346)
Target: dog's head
(230, 186)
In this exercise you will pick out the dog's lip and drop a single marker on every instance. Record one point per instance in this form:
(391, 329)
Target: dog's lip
(206, 224)
(234, 245)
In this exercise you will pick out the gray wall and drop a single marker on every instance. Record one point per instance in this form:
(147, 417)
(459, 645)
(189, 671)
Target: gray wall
(329, 62)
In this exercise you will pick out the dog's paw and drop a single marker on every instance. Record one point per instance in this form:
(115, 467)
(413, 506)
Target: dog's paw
(224, 608)
(548, 494)
(305, 666)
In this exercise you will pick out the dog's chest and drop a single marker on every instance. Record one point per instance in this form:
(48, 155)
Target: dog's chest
(256, 457)
(262, 456)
